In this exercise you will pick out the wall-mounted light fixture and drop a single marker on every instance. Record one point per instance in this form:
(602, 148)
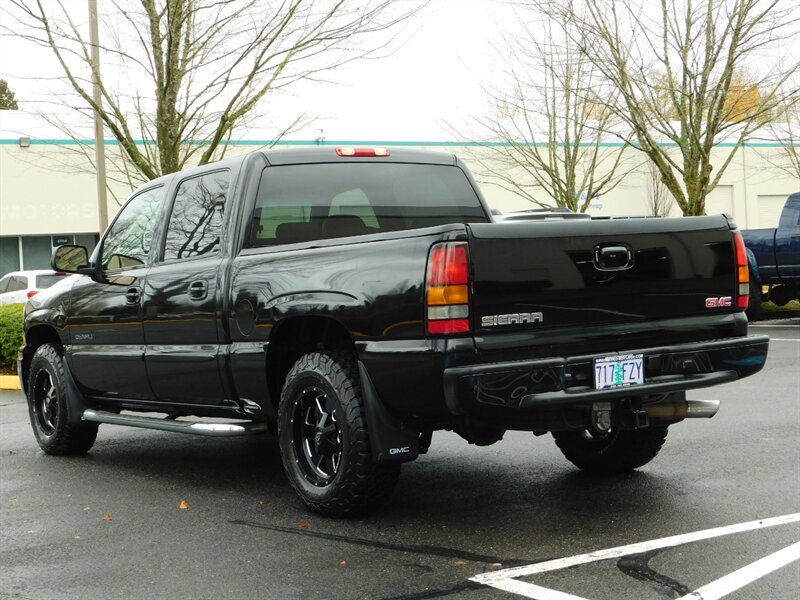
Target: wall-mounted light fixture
(24, 142)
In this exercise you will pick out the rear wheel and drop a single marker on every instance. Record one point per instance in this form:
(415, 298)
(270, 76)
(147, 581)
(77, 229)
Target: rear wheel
(57, 430)
(615, 451)
(322, 432)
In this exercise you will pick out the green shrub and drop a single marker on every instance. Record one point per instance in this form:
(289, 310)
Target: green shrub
(791, 305)
(10, 333)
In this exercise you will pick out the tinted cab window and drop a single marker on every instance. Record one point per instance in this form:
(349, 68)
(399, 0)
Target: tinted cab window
(128, 242)
(298, 203)
(195, 225)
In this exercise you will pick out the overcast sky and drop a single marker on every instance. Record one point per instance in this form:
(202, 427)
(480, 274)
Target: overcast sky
(432, 79)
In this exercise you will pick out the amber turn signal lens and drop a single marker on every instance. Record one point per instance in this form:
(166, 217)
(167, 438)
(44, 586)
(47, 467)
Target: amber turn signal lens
(744, 275)
(448, 294)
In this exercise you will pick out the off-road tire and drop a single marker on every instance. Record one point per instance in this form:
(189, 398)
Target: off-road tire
(617, 451)
(352, 484)
(57, 430)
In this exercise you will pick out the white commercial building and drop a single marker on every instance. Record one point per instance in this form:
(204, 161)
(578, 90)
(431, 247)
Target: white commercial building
(48, 193)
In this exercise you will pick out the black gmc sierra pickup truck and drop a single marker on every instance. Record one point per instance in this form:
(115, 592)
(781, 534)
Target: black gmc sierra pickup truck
(355, 300)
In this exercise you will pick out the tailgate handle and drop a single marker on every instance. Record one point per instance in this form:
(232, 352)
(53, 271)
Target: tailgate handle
(613, 257)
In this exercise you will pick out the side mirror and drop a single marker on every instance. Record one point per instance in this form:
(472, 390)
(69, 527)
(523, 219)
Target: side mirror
(70, 259)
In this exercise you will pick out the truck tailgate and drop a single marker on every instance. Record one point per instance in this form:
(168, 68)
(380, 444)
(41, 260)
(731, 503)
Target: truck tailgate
(550, 274)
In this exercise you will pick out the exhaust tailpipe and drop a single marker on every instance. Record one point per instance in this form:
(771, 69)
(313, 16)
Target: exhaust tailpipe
(702, 409)
(689, 409)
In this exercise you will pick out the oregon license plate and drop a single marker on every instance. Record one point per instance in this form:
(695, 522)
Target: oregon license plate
(618, 371)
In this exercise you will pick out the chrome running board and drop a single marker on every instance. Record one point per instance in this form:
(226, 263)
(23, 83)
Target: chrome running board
(166, 424)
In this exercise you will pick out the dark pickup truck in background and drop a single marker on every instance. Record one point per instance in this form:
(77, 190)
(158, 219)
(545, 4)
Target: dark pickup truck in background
(358, 299)
(774, 259)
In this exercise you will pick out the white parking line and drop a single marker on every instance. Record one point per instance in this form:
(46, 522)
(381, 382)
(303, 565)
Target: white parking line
(505, 579)
(783, 340)
(738, 579)
(775, 326)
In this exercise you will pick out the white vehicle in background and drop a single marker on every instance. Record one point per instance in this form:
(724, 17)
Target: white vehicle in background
(16, 287)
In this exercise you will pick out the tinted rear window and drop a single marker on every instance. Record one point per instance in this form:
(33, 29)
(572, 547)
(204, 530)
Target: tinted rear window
(45, 281)
(299, 203)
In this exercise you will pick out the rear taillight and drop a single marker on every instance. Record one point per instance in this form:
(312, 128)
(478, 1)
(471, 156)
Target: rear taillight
(447, 292)
(32, 293)
(742, 272)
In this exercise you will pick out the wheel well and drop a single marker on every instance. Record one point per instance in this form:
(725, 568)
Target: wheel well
(292, 338)
(35, 337)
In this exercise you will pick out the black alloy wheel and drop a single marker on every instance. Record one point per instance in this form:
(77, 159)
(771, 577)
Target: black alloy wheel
(317, 436)
(45, 402)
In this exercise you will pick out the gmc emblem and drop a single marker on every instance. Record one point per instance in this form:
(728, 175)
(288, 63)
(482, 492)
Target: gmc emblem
(721, 302)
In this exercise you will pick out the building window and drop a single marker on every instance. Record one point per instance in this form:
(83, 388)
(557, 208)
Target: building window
(36, 251)
(9, 255)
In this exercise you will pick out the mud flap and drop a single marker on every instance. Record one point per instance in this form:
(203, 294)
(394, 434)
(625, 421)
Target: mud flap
(75, 401)
(391, 441)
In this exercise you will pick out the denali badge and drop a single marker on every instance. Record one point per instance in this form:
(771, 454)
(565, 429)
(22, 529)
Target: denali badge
(511, 319)
(721, 302)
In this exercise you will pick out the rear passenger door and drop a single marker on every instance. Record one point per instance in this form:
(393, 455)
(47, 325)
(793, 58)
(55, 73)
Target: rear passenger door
(182, 299)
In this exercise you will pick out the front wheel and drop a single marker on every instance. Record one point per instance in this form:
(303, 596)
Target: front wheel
(615, 451)
(325, 446)
(57, 430)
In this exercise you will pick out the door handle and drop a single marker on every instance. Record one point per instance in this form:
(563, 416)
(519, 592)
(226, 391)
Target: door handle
(198, 290)
(132, 295)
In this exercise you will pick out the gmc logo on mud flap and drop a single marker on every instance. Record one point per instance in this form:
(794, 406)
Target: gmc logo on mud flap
(721, 302)
(403, 450)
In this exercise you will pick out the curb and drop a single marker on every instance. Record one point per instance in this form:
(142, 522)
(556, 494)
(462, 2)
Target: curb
(9, 382)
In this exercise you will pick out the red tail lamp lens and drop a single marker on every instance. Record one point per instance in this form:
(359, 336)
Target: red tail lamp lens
(742, 272)
(447, 294)
(447, 326)
(448, 265)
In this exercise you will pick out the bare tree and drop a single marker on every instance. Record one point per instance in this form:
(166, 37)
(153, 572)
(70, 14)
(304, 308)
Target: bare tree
(550, 144)
(659, 200)
(785, 129)
(187, 73)
(674, 66)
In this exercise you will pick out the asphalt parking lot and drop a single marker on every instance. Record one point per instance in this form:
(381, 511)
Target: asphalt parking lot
(110, 524)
